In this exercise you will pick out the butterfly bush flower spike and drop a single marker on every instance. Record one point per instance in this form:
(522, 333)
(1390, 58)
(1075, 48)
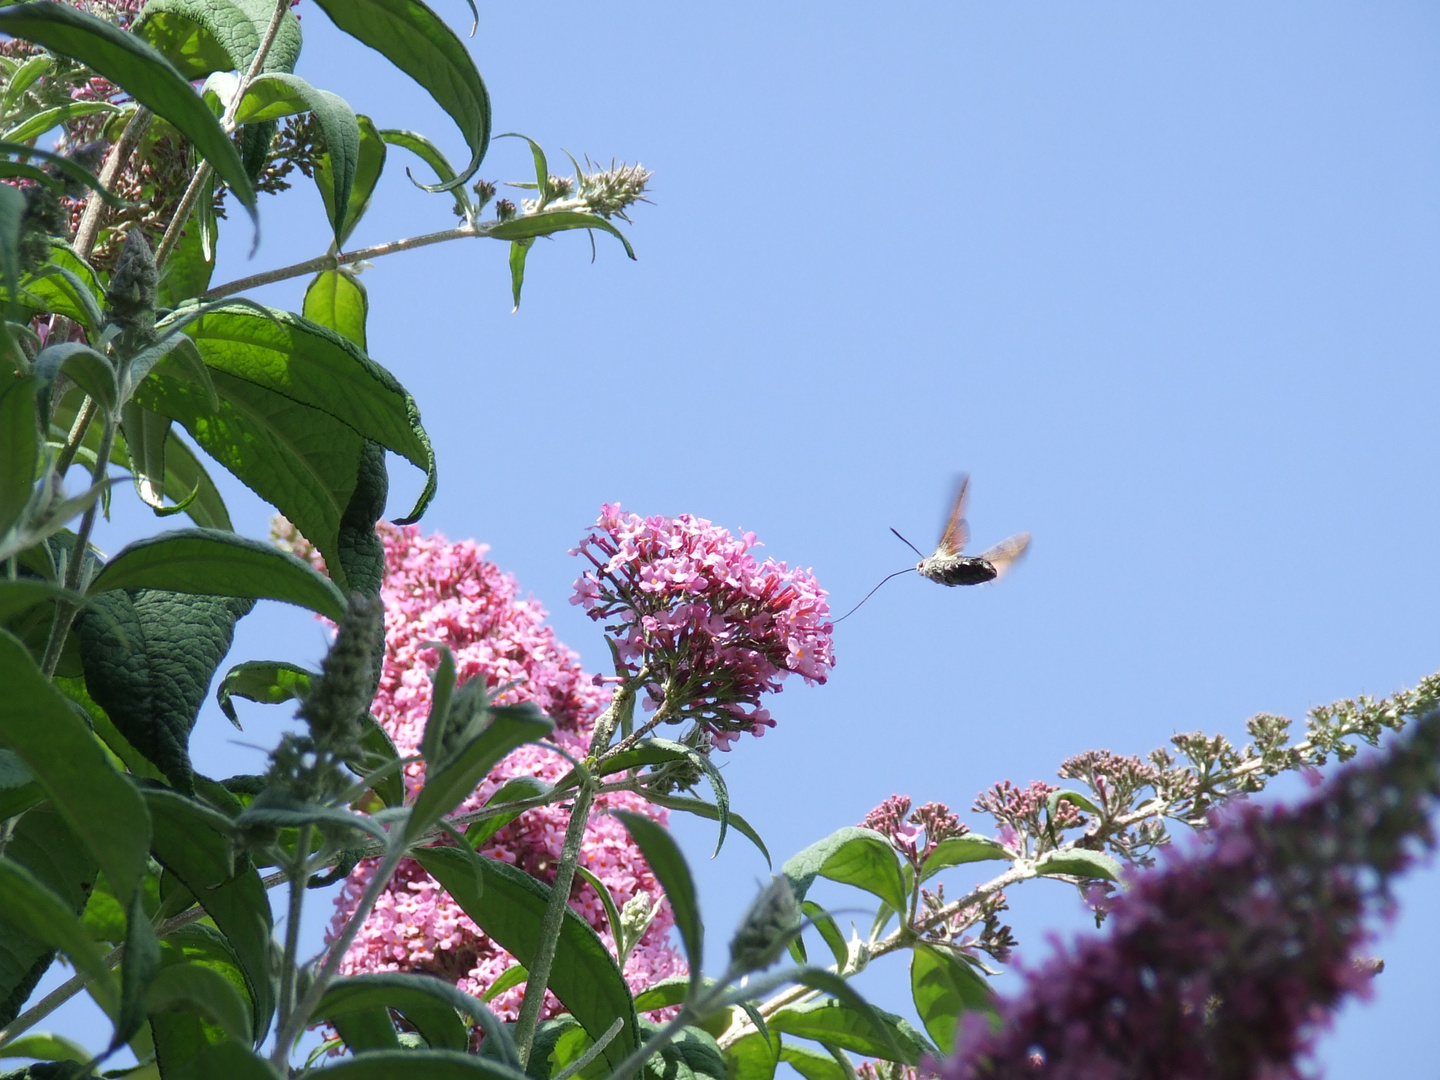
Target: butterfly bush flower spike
(436, 590)
(701, 624)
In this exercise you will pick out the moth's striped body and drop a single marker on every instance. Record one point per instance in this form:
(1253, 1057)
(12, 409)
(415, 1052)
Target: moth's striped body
(947, 566)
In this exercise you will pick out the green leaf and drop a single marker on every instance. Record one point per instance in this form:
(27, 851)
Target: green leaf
(210, 562)
(962, 849)
(514, 975)
(369, 164)
(429, 1064)
(813, 1064)
(137, 967)
(431, 1005)
(829, 1020)
(44, 845)
(377, 751)
(414, 39)
(183, 1030)
(203, 36)
(270, 97)
(521, 787)
(45, 916)
(53, 117)
(225, 1060)
(519, 250)
(187, 272)
(693, 1054)
(1079, 862)
(19, 447)
(60, 290)
(12, 220)
(98, 803)
(824, 924)
(549, 222)
(585, 977)
(19, 791)
(196, 847)
(431, 154)
(277, 810)
(143, 72)
(269, 682)
(660, 751)
(670, 869)
(511, 726)
(752, 1058)
(442, 691)
(91, 370)
(203, 990)
(944, 987)
(851, 856)
(145, 436)
(297, 401)
(335, 298)
(148, 657)
(46, 1047)
(359, 550)
(700, 808)
(69, 169)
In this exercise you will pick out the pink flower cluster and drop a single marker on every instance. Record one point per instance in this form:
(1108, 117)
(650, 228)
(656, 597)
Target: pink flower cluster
(1229, 960)
(711, 627)
(436, 590)
(905, 829)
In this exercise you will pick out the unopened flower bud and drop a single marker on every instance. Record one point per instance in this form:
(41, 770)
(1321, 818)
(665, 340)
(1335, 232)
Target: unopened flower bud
(335, 701)
(133, 286)
(767, 929)
(636, 916)
(505, 210)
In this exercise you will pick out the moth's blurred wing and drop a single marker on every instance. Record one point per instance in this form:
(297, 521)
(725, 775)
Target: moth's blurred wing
(957, 532)
(1003, 554)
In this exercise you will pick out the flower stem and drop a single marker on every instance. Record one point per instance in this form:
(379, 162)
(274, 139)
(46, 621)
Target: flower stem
(295, 1022)
(554, 919)
(298, 874)
(202, 174)
(65, 613)
(53, 1000)
(93, 218)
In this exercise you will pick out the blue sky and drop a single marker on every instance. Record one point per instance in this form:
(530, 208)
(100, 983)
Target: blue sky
(1161, 277)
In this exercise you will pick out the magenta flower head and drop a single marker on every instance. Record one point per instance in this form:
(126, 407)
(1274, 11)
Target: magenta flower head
(699, 621)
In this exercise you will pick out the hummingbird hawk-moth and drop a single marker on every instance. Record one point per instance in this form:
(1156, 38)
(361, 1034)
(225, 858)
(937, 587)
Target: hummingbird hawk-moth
(948, 566)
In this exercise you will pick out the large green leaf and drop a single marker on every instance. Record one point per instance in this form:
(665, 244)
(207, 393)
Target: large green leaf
(879, 1034)
(510, 726)
(1079, 862)
(669, 867)
(584, 977)
(655, 751)
(203, 36)
(368, 166)
(201, 988)
(335, 298)
(433, 156)
(426, 1064)
(431, 1005)
(139, 69)
(137, 968)
(851, 856)
(753, 1058)
(693, 1054)
(414, 39)
(958, 850)
(548, 222)
(46, 916)
(12, 221)
(270, 97)
(814, 1064)
(45, 846)
(943, 987)
(149, 656)
(191, 844)
(211, 562)
(19, 447)
(99, 804)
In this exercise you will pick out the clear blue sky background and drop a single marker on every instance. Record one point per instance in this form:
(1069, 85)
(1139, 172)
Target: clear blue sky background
(1163, 278)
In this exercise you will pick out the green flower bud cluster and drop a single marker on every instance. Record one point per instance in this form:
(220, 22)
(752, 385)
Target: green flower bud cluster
(767, 929)
(134, 286)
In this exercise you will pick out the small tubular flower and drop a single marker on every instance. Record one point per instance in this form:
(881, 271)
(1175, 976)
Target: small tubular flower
(706, 626)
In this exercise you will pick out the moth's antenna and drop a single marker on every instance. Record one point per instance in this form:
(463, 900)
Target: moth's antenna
(873, 591)
(911, 546)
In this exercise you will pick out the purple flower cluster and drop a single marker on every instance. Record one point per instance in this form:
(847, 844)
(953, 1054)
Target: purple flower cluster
(1227, 961)
(436, 590)
(708, 626)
